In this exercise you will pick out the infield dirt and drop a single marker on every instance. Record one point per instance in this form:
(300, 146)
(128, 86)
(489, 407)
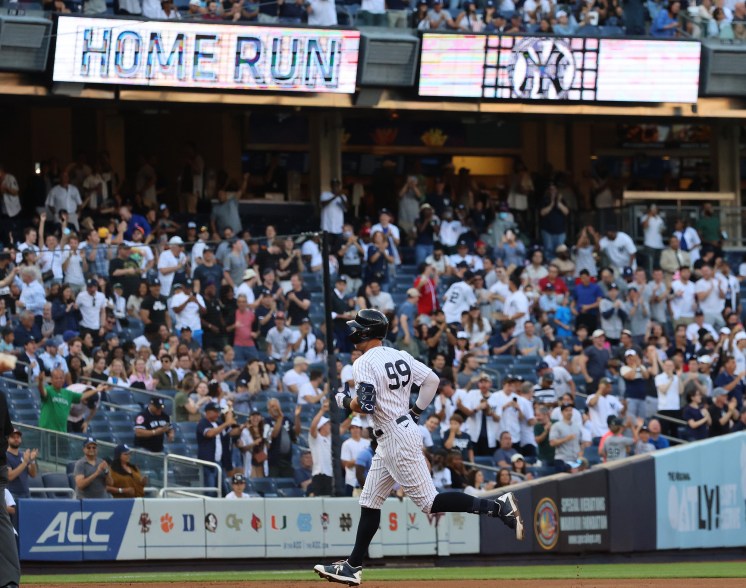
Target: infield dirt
(579, 583)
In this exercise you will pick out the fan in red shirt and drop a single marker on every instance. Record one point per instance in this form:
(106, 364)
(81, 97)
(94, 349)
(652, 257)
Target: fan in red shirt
(427, 285)
(553, 277)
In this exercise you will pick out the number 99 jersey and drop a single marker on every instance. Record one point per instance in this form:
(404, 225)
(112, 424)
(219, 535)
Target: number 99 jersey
(392, 373)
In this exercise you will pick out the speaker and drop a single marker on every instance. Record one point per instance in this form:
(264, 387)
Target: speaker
(723, 71)
(24, 43)
(388, 58)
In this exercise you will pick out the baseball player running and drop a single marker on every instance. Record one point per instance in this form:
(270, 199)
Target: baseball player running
(384, 378)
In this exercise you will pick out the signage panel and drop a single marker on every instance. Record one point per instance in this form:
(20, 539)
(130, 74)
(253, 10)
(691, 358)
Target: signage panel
(572, 69)
(700, 491)
(199, 55)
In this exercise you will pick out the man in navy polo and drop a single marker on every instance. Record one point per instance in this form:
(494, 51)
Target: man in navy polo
(586, 298)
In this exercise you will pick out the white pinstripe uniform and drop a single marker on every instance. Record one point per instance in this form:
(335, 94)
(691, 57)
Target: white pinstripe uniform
(399, 458)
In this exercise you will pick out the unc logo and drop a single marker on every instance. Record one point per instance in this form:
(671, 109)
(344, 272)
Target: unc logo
(542, 69)
(304, 522)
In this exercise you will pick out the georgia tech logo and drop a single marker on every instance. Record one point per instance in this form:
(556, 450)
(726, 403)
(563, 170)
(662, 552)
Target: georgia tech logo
(546, 523)
(542, 69)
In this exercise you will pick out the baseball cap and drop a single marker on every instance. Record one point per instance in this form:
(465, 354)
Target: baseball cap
(158, 402)
(31, 339)
(565, 405)
(249, 274)
(561, 247)
(627, 272)
(177, 286)
(605, 380)
(739, 336)
(699, 312)
(212, 406)
(53, 342)
(300, 360)
(88, 441)
(626, 332)
(110, 336)
(91, 282)
(67, 335)
(542, 365)
(615, 422)
(176, 240)
(462, 335)
(238, 478)
(644, 429)
(120, 449)
(357, 422)
(613, 286)
(597, 333)
(630, 352)
(385, 211)
(725, 331)
(516, 457)
(548, 376)
(719, 392)
(279, 315)
(561, 13)
(16, 431)
(322, 421)
(484, 376)
(549, 286)
(155, 282)
(191, 225)
(413, 292)
(517, 378)
(462, 243)
(705, 359)
(117, 285)
(341, 278)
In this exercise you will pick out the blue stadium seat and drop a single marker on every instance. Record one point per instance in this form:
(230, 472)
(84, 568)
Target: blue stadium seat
(591, 454)
(189, 430)
(36, 483)
(284, 482)
(264, 486)
(119, 396)
(56, 480)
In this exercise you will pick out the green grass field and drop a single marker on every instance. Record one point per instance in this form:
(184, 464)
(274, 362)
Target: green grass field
(559, 572)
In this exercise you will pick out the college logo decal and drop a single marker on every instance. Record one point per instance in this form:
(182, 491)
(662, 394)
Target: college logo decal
(211, 522)
(546, 523)
(145, 523)
(256, 522)
(324, 521)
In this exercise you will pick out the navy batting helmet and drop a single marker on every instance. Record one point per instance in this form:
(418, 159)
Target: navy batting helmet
(368, 324)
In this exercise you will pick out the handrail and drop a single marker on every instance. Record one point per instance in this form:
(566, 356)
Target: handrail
(193, 461)
(182, 491)
(69, 491)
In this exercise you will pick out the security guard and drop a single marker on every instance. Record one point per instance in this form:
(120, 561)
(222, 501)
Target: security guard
(151, 425)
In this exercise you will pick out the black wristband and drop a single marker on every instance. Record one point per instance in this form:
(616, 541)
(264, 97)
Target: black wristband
(416, 410)
(346, 402)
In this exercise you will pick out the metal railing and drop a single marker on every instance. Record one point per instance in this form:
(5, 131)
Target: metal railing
(164, 470)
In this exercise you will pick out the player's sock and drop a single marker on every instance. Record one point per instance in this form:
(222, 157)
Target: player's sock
(457, 502)
(370, 518)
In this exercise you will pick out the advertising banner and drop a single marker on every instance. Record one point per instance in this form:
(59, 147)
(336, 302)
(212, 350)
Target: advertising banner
(202, 55)
(176, 528)
(235, 528)
(73, 530)
(295, 527)
(340, 517)
(496, 538)
(583, 506)
(394, 527)
(701, 494)
(570, 69)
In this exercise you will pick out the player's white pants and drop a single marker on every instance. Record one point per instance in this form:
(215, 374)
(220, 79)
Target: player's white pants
(399, 459)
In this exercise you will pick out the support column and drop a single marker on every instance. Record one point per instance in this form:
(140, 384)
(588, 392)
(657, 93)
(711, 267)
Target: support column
(725, 151)
(326, 151)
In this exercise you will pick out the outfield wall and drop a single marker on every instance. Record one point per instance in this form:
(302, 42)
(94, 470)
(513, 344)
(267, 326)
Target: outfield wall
(689, 497)
(152, 528)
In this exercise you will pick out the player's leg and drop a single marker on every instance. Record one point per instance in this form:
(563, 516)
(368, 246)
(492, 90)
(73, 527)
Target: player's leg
(378, 485)
(412, 473)
(10, 569)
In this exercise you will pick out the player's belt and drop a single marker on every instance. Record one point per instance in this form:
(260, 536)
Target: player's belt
(379, 432)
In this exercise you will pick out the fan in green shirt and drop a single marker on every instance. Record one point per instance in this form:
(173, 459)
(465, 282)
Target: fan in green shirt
(56, 401)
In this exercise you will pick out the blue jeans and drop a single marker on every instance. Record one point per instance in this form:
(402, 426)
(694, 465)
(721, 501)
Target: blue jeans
(244, 354)
(551, 241)
(210, 478)
(421, 252)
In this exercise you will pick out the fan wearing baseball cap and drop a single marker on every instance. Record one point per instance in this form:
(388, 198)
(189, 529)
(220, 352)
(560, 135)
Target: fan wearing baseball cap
(56, 400)
(594, 360)
(127, 480)
(171, 261)
(151, 425)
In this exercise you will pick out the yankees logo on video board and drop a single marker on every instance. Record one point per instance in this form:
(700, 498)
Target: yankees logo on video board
(199, 55)
(527, 68)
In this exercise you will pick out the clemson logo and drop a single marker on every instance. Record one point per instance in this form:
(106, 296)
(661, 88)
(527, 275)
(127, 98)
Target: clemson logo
(167, 523)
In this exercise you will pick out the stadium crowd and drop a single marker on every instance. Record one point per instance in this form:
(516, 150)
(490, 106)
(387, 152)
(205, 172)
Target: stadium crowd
(725, 19)
(553, 355)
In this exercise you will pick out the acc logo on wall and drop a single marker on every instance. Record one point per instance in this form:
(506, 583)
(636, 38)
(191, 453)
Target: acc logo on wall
(546, 523)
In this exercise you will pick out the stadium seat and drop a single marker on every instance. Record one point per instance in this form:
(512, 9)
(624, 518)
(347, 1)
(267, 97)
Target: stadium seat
(580, 402)
(264, 486)
(56, 480)
(591, 454)
(119, 396)
(284, 482)
(189, 431)
(36, 483)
